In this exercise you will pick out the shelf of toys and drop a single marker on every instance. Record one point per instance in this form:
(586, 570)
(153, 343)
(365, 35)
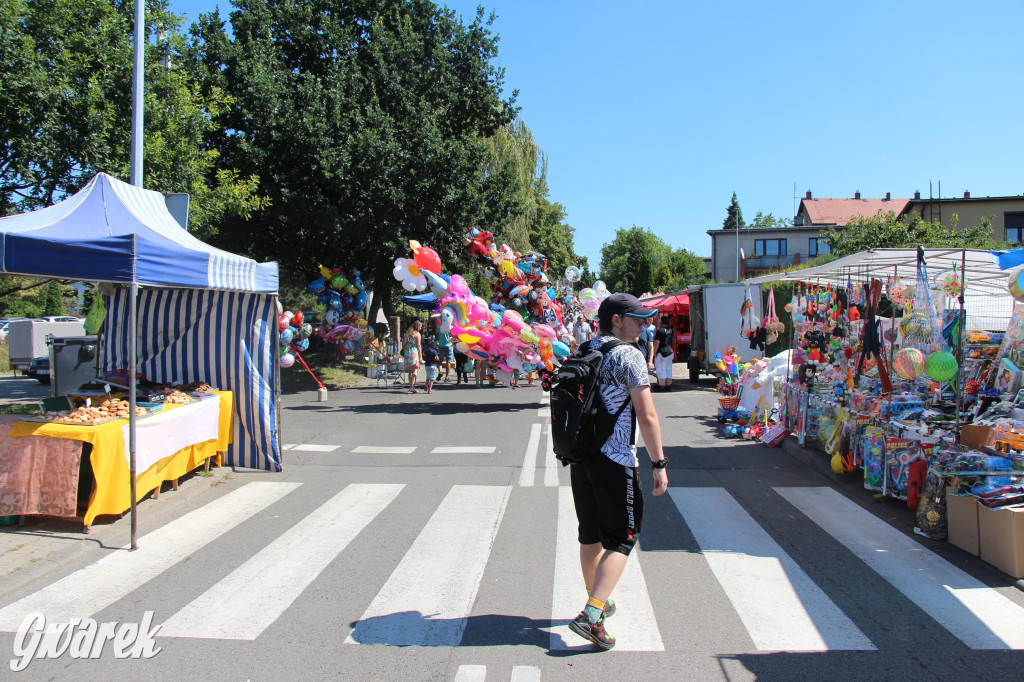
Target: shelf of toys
(907, 399)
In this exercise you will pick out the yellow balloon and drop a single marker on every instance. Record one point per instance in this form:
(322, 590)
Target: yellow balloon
(507, 268)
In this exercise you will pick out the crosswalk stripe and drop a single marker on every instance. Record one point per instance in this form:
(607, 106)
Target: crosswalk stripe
(288, 446)
(382, 450)
(780, 606)
(463, 450)
(310, 447)
(430, 595)
(529, 470)
(977, 615)
(243, 604)
(525, 673)
(545, 405)
(100, 584)
(636, 628)
(471, 673)
(551, 465)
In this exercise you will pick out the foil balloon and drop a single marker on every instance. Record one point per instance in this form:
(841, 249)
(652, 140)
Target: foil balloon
(425, 257)
(1016, 284)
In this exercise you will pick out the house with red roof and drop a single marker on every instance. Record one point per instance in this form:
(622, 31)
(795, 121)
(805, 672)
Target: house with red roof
(763, 249)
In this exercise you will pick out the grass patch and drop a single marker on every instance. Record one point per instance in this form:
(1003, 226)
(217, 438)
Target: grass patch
(15, 548)
(328, 367)
(5, 356)
(20, 408)
(227, 477)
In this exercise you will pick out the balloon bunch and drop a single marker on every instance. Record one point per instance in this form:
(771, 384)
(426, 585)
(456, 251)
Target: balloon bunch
(295, 333)
(488, 330)
(345, 296)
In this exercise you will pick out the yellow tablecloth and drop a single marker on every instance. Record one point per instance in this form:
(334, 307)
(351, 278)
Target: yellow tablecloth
(112, 494)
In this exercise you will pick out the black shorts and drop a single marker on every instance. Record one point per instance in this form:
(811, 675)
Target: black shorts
(609, 503)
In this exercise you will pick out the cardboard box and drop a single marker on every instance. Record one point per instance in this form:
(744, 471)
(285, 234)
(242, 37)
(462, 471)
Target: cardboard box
(1001, 535)
(975, 436)
(962, 521)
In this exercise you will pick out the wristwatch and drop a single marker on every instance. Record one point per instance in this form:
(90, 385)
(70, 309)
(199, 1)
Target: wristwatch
(661, 463)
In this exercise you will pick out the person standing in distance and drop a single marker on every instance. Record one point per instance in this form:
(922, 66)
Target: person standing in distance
(605, 486)
(663, 354)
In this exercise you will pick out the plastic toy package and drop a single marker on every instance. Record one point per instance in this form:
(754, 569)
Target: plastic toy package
(873, 454)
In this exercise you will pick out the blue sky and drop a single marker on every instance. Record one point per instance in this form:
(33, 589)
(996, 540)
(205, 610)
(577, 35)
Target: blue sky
(652, 113)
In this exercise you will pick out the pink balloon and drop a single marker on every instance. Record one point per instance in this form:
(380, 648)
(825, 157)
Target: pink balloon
(287, 360)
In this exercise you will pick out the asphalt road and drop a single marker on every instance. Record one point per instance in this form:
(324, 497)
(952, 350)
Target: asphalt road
(426, 537)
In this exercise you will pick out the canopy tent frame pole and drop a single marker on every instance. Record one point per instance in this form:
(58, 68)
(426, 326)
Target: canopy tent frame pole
(132, 350)
(960, 345)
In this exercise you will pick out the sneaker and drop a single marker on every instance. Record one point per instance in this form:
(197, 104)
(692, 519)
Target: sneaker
(609, 608)
(595, 632)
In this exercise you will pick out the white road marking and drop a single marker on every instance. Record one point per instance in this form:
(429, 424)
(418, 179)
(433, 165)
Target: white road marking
(463, 450)
(551, 465)
(780, 606)
(977, 615)
(635, 626)
(288, 446)
(430, 595)
(246, 602)
(100, 584)
(379, 450)
(471, 673)
(545, 405)
(525, 673)
(529, 470)
(310, 447)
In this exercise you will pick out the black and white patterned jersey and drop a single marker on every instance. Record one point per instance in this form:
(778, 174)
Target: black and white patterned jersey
(624, 369)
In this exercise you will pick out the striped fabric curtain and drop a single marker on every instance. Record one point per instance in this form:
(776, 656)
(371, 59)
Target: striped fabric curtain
(225, 338)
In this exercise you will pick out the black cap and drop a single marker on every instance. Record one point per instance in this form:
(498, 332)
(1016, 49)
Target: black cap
(622, 304)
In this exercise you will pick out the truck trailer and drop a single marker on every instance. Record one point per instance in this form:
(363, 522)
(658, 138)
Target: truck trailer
(26, 339)
(717, 321)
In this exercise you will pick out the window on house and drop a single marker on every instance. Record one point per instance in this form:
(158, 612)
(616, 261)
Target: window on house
(769, 247)
(818, 246)
(1014, 223)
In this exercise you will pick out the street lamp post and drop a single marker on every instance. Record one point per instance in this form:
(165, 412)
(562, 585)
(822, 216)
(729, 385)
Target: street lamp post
(737, 246)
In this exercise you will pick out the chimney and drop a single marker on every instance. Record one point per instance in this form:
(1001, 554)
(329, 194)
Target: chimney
(888, 196)
(967, 195)
(917, 194)
(856, 195)
(808, 195)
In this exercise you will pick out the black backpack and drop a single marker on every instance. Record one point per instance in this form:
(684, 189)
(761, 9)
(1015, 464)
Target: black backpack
(579, 423)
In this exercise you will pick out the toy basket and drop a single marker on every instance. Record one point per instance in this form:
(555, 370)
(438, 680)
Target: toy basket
(729, 403)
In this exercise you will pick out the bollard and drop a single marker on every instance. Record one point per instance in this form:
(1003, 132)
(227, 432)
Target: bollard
(321, 394)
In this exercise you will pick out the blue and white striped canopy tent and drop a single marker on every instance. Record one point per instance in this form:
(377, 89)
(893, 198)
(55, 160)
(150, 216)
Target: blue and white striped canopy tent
(203, 314)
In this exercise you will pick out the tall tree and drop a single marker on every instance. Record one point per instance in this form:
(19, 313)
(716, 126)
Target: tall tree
(65, 100)
(552, 236)
(367, 123)
(767, 220)
(54, 300)
(733, 215)
(629, 261)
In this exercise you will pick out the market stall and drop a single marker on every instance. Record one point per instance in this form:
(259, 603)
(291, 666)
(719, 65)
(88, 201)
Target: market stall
(677, 307)
(179, 310)
(904, 366)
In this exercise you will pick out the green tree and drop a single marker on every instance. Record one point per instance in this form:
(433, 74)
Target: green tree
(367, 124)
(767, 220)
(733, 215)
(65, 100)
(54, 300)
(628, 263)
(551, 235)
(686, 268)
(885, 230)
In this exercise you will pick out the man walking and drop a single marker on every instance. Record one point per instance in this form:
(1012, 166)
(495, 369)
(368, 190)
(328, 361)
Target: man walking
(605, 486)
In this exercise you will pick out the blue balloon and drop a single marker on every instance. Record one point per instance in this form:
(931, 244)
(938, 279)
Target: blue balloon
(302, 344)
(361, 299)
(287, 336)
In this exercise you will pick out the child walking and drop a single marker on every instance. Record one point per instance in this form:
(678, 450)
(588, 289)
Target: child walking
(431, 358)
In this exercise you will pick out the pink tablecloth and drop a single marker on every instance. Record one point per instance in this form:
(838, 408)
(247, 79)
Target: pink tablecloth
(38, 475)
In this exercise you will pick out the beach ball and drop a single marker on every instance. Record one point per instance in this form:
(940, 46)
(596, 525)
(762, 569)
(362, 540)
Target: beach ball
(941, 365)
(1016, 284)
(909, 363)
